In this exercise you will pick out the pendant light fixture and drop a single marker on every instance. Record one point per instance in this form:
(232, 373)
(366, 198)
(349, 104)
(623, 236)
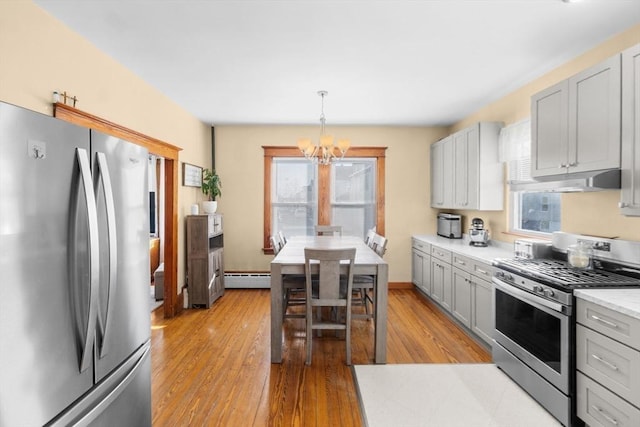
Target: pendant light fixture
(325, 151)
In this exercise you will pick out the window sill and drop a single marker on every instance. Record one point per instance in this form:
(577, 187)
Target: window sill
(532, 235)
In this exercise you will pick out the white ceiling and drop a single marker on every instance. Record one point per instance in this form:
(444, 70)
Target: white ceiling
(429, 62)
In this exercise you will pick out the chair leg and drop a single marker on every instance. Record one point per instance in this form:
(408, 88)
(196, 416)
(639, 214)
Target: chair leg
(347, 335)
(309, 334)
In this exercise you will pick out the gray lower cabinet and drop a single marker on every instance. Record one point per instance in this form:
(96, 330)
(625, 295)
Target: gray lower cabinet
(459, 284)
(472, 300)
(482, 323)
(461, 304)
(421, 265)
(441, 276)
(608, 363)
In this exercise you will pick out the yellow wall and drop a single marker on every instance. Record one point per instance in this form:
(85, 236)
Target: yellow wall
(39, 54)
(239, 161)
(584, 213)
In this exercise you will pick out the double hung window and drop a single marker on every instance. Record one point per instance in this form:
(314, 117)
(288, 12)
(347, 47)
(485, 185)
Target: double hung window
(300, 194)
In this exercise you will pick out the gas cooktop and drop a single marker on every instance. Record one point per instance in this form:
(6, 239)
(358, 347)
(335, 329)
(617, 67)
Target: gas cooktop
(560, 274)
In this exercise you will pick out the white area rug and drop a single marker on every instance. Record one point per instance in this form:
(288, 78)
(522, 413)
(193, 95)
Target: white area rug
(445, 395)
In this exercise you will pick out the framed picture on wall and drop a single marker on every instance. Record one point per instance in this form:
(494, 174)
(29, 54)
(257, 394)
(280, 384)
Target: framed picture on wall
(191, 175)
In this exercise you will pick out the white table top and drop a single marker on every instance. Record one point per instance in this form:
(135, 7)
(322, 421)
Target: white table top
(293, 250)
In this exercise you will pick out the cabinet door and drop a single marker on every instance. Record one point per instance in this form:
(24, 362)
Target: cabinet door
(465, 147)
(482, 309)
(441, 173)
(426, 274)
(630, 179)
(416, 268)
(549, 130)
(461, 173)
(461, 303)
(437, 280)
(594, 117)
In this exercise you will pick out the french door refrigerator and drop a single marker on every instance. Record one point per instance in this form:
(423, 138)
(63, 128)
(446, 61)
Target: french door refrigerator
(74, 275)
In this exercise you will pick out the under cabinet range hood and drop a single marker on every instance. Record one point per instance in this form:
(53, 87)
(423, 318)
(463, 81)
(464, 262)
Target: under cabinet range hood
(571, 182)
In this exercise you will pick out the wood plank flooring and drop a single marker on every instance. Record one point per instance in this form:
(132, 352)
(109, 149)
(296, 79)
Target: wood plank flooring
(212, 367)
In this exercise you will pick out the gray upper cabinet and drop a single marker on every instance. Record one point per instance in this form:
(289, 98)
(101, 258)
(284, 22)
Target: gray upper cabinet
(465, 170)
(575, 124)
(442, 173)
(630, 178)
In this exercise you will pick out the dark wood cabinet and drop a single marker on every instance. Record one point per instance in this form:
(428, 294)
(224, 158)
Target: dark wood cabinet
(205, 261)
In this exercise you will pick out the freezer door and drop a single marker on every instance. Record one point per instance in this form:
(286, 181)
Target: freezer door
(42, 334)
(120, 173)
(122, 399)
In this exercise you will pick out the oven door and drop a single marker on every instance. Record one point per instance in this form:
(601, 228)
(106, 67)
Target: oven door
(535, 330)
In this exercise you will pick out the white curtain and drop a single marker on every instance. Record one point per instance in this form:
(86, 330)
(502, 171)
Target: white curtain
(515, 148)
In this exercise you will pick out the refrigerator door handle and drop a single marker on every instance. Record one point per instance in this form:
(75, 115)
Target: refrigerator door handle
(82, 158)
(105, 179)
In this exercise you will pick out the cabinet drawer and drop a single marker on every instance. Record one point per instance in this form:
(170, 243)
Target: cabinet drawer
(462, 262)
(597, 406)
(610, 363)
(421, 246)
(611, 323)
(441, 254)
(482, 270)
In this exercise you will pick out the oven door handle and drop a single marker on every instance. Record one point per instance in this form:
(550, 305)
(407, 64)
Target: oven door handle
(526, 296)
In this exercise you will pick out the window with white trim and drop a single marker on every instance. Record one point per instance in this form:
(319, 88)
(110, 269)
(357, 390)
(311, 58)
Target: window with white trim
(530, 212)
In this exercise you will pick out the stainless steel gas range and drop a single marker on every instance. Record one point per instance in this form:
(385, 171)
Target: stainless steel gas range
(534, 315)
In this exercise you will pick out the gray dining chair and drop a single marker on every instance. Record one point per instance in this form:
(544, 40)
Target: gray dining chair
(364, 285)
(293, 286)
(328, 230)
(328, 289)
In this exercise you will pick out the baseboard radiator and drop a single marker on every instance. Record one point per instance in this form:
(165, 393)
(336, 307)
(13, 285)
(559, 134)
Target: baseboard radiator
(247, 280)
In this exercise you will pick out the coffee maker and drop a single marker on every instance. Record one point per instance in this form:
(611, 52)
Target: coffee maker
(478, 235)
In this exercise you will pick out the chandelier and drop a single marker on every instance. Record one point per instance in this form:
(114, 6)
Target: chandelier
(325, 151)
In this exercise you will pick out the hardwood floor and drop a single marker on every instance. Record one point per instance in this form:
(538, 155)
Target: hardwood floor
(212, 368)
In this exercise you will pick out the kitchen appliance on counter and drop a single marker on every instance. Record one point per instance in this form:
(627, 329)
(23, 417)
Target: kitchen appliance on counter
(449, 226)
(478, 235)
(532, 248)
(534, 314)
(74, 256)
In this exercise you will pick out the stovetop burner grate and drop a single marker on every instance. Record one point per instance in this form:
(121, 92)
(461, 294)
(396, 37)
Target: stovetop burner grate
(560, 273)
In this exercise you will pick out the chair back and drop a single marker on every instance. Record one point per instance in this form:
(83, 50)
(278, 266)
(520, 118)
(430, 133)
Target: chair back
(328, 262)
(379, 244)
(283, 239)
(369, 237)
(275, 244)
(328, 230)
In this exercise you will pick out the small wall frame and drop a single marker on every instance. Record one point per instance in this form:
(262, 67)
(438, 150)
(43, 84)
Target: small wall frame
(191, 175)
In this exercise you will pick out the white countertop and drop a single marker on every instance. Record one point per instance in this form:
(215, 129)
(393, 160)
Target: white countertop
(625, 301)
(451, 395)
(495, 249)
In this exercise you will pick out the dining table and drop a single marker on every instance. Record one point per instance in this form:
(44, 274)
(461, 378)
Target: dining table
(290, 260)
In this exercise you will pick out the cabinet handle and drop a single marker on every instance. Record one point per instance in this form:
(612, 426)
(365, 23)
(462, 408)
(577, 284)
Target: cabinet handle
(562, 165)
(461, 262)
(481, 271)
(623, 205)
(604, 414)
(572, 164)
(606, 322)
(603, 361)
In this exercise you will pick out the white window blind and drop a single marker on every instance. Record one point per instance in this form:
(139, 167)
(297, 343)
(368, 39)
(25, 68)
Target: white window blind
(515, 149)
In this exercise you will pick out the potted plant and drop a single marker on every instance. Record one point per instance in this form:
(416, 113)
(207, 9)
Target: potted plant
(211, 186)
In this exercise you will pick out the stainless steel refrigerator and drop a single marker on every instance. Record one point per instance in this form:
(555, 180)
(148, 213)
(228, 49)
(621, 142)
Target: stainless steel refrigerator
(74, 275)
